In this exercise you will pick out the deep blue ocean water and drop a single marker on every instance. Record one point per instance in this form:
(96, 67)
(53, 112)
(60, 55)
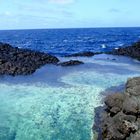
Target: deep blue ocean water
(68, 41)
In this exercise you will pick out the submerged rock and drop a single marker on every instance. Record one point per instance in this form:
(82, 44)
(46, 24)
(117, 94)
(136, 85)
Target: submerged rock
(82, 54)
(121, 117)
(15, 61)
(71, 63)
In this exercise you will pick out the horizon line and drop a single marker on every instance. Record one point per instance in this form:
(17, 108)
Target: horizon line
(68, 28)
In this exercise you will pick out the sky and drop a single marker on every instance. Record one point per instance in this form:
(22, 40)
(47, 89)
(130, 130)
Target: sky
(36, 14)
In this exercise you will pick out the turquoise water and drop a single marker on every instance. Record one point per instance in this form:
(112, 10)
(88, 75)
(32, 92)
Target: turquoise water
(58, 103)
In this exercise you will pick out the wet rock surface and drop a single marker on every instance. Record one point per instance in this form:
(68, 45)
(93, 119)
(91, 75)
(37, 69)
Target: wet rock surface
(131, 51)
(15, 61)
(70, 63)
(120, 119)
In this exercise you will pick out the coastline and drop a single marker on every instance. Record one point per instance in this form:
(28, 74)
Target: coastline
(119, 119)
(15, 61)
(53, 59)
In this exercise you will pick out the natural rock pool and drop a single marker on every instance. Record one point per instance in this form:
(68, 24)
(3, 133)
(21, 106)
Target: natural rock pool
(57, 103)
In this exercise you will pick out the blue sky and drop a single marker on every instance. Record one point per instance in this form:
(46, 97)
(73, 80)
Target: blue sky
(29, 14)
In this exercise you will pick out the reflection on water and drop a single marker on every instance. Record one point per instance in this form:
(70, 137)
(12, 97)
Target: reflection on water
(58, 103)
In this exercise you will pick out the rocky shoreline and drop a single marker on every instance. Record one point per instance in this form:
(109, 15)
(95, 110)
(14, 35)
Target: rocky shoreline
(119, 119)
(15, 61)
(130, 51)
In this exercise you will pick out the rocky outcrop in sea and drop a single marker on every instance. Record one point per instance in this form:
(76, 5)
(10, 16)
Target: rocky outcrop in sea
(130, 51)
(15, 61)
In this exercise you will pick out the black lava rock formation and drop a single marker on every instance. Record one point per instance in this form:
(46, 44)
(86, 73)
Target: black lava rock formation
(15, 61)
(120, 120)
(130, 51)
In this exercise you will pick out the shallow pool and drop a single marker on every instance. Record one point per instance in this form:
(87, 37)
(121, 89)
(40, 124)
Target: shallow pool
(58, 103)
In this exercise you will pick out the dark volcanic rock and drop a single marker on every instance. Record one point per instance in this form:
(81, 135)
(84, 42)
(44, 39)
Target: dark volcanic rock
(130, 106)
(118, 127)
(114, 102)
(15, 61)
(71, 63)
(133, 87)
(124, 124)
(131, 51)
(82, 54)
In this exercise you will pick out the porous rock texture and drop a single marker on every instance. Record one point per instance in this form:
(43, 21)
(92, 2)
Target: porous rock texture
(15, 61)
(121, 118)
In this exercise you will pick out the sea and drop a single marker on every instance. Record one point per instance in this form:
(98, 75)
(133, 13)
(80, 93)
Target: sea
(68, 41)
(58, 103)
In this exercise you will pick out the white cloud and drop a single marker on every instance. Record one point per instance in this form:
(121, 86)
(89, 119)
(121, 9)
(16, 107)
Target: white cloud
(61, 1)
